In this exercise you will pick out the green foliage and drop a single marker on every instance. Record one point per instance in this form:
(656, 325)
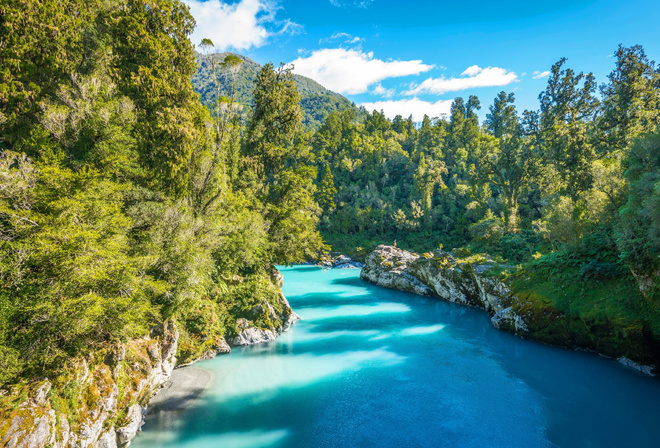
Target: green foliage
(327, 191)
(638, 231)
(153, 66)
(10, 364)
(316, 101)
(122, 200)
(293, 215)
(275, 119)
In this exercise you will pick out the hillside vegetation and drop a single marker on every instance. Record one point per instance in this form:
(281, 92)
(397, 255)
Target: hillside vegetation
(566, 198)
(316, 101)
(123, 202)
(127, 202)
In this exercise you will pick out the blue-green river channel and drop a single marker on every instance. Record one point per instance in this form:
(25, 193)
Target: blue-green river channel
(372, 367)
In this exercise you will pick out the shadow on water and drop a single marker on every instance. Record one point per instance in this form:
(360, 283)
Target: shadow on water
(363, 372)
(350, 281)
(299, 268)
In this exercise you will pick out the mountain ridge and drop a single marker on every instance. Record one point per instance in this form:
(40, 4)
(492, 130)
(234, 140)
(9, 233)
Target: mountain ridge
(316, 101)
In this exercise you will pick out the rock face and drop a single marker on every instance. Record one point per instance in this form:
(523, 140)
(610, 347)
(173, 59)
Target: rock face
(249, 334)
(111, 395)
(34, 423)
(338, 262)
(439, 274)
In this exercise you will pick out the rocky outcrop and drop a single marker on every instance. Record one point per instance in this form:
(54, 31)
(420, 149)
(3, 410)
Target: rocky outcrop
(105, 397)
(249, 334)
(438, 274)
(339, 262)
(107, 394)
(441, 275)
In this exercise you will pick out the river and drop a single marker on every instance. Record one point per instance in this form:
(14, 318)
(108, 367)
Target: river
(371, 367)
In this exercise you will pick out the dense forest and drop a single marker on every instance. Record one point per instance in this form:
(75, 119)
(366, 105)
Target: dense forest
(566, 198)
(126, 201)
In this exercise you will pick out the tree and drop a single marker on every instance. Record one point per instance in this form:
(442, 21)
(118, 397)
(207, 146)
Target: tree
(293, 216)
(427, 176)
(153, 64)
(568, 105)
(638, 230)
(631, 101)
(506, 162)
(327, 191)
(275, 119)
(211, 182)
(41, 45)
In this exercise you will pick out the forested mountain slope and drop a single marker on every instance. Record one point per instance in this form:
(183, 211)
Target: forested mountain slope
(134, 226)
(565, 199)
(131, 212)
(316, 101)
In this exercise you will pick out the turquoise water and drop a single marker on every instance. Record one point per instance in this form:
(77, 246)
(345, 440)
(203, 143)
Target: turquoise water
(371, 367)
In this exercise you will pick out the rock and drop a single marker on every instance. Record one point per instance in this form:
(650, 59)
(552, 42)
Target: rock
(107, 440)
(276, 277)
(168, 352)
(90, 432)
(441, 275)
(438, 274)
(252, 335)
(507, 319)
(221, 347)
(42, 394)
(37, 435)
(135, 420)
(642, 368)
(346, 266)
(293, 317)
(341, 260)
(110, 402)
(34, 423)
(386, 266)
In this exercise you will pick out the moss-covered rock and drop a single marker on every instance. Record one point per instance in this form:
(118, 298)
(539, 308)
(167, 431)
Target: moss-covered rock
(513, 308)
(94, 402)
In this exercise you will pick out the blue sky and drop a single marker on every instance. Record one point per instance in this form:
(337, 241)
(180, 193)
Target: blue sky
(415, 57)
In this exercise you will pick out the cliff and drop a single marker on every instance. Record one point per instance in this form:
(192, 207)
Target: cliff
(441, 275)
(100, 401)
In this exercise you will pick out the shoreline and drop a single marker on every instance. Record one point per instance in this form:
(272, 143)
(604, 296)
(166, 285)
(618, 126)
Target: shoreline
(180, 390)
(441, 276)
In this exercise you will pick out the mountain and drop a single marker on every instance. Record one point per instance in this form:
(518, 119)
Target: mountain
(317, 102)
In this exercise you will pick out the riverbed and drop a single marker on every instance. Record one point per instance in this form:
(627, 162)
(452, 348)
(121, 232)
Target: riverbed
(371, 367)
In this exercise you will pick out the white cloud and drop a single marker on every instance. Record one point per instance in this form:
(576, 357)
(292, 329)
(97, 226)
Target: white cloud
(413, 106)
(347, 38)
(472, 71)
(353, 71)
(238, 26)
(380, 90)
(538, 75)
(356, 3)
(472, 77)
